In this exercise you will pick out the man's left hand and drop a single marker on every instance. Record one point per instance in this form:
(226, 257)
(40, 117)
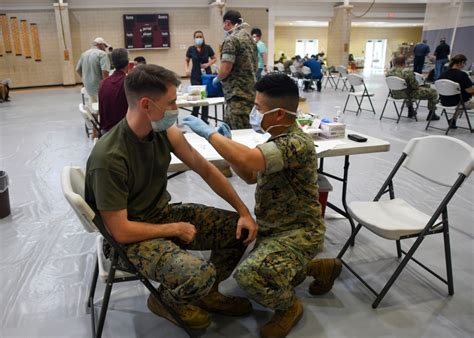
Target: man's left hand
(247, 222)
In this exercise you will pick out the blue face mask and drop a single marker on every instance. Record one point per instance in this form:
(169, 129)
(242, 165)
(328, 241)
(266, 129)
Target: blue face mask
(199, 41)
(169, 118)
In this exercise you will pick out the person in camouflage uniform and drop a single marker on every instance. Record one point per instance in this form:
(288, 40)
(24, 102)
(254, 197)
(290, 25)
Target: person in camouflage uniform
(126, 179)
(291, 228)
(239, 61)
(413, 92)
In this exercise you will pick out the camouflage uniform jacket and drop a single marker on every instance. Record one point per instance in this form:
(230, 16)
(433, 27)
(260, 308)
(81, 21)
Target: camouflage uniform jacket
(409, 77)
(240, 49)
(286, 197)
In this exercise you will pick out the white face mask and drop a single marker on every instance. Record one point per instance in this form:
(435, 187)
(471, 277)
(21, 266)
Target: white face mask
(169, 118)
(198, 41)
(256, 118)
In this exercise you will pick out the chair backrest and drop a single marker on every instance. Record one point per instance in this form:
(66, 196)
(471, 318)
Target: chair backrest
(396, 83)
(439, 159)
(280, 67)
(306, 70)
(86, 115)
(447, 87)
(293, 69)
(419, 78)
(73, 183)
(342, 70)
(355, 80)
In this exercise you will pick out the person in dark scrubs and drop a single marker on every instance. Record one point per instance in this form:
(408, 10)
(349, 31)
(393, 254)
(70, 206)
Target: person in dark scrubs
(202, 56)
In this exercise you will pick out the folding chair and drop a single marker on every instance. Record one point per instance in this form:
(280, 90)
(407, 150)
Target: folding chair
(280, 67)
(442, 160)
(342, 77)
(395, 83)
(451, 88)
(421, 82)
(91, 123)
(356, 80)
(307, 71)
(73, 182)
(329, 77)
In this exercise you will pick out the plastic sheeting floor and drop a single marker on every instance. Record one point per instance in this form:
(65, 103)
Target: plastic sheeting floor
(47, 259)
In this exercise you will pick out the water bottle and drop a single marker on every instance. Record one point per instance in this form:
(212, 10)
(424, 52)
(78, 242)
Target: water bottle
(339, 117)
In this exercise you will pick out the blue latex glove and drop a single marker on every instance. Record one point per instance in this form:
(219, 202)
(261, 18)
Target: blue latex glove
(216, 82)
(199, 126)
(224, 130)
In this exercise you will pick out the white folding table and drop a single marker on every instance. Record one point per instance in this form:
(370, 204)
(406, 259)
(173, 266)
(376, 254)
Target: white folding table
(324, 148)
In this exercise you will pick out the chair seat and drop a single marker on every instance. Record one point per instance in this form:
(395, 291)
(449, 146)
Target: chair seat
(360, 93)
(389, 219)
(395, 100)
(440, 106)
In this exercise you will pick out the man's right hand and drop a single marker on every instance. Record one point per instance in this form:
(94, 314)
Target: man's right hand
(185, 232)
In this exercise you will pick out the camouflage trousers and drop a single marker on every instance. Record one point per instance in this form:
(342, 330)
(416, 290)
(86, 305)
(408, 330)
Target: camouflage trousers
(422, 93)
(273, 269)
(237, 112)
(185, 277)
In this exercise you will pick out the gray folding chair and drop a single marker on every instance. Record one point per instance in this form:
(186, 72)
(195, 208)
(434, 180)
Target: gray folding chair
(330, 78)
(342, 77)
(440, 160)
(398, 84)
(451, 88)
(421, 82)
(73, 182)
(357, 81)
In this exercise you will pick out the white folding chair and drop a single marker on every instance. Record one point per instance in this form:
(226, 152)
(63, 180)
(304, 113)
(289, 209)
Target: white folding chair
(91, 123)
(307, 71)
(395, 83)
(421, 82)
(330, 78)
(440, 160)
(73, 185)
(451, 88)
(356, 80)
(342, 77)
(280, 67)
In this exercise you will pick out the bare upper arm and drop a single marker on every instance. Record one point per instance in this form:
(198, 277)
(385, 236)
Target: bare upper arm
(184, 151)
(115, 221)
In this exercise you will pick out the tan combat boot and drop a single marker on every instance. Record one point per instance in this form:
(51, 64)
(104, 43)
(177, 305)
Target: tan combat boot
(283, 321)
(324, 271)
(191, 315)
(216, 302)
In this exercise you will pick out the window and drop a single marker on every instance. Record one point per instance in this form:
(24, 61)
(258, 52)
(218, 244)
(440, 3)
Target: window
(306, 46)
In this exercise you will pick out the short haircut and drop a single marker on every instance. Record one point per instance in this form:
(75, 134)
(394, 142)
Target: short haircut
(119, 57)
(233, 16)
(148, 80)
(281, 90)
(399, 61)
(257, 32)
(140, 59)
(457, 59)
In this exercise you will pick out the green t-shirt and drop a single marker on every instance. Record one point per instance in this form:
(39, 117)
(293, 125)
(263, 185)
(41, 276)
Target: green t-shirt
(124, 172)
(261, 49)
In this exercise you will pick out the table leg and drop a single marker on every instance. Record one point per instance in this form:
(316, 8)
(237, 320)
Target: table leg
(344, 181)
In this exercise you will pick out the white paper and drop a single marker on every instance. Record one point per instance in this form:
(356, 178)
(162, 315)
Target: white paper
(322, 146)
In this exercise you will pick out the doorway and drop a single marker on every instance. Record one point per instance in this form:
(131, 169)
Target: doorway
(375, 51)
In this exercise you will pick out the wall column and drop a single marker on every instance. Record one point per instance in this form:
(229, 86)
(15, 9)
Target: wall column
(66, 62)
(339, 36)
(216, 26)
(271, 39)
